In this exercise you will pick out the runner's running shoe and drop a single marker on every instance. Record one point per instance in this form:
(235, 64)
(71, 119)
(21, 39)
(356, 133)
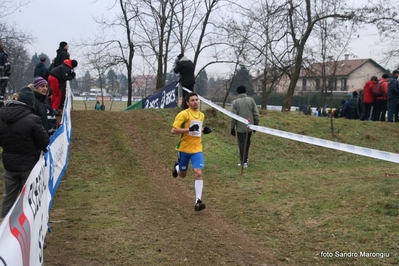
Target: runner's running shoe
(199, 206)
(174, 171)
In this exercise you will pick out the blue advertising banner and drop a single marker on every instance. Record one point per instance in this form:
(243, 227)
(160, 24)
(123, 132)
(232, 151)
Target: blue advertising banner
(165, 98)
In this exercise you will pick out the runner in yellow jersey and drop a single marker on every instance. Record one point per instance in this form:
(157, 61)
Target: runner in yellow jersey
(189, 125)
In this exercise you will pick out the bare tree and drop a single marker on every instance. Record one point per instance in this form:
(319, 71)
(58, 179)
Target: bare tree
(8, 7)
(19, 59)
(259, 25)
(119, 51)
(197, 29)
(156, 22)
(301, 20)
(281, 38)
(383, 14)
(331, 42)
(14, 41)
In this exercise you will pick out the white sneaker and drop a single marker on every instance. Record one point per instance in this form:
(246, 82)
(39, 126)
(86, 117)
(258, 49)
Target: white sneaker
(245, 165)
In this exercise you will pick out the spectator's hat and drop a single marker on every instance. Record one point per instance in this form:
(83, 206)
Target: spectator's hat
(63, 44)
(241, 89)
(27, 97)
(39, 81)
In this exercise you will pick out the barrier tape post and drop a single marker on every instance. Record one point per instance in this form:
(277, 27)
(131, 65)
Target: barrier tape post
(245, 146)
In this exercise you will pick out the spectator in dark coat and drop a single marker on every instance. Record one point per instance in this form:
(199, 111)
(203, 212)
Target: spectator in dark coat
(40, 90)
(393, 96)
(351, 108)
(40, 68)
(57, 80)
(354, 106)
(185, 67)
(62, 54)
(345, 109)
(23, 138)
(338, 112)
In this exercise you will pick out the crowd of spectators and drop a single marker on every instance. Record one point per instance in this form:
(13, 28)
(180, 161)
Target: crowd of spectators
(377, 101)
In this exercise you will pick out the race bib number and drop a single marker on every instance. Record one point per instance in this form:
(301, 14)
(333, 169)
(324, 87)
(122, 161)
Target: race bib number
(195, 133)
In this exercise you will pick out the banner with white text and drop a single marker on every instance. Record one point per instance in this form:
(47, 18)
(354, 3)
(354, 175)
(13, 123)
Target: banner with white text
(165, 98)
(23, 230)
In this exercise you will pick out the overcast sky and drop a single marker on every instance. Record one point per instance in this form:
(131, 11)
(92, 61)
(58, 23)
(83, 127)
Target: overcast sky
(53, 21)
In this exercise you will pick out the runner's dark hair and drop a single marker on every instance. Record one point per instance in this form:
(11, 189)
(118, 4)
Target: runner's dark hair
(189, 95)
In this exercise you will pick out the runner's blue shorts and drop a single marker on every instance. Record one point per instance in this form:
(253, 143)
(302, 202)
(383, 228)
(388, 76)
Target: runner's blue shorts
(197, 160)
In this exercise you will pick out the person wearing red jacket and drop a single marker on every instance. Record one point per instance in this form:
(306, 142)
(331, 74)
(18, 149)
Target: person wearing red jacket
(381, 102)
(57, 79)
(368, 98)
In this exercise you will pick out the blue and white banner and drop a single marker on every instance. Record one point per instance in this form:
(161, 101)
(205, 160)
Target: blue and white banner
(23, 230)
(165, 98)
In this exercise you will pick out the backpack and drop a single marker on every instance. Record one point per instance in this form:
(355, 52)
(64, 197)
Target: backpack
(46, 72)
(377, 90)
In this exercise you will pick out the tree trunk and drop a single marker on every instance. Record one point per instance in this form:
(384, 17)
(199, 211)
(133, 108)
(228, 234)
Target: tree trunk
(265, 93)
(294, 79)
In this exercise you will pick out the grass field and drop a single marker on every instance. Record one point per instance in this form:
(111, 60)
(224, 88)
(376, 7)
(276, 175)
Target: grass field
(295, 204)
(80, 105)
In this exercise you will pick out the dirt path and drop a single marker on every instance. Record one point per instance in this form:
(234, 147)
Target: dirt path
(139, 214)
(206, 233)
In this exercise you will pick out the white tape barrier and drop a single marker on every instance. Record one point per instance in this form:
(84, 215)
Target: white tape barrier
(376, 154)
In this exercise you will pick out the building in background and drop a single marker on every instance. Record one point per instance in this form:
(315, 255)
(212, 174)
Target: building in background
(343, 76)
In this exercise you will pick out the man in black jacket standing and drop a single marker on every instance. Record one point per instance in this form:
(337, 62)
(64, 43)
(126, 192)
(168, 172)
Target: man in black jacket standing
(23, 138)
(185, 67)
(62, 54)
